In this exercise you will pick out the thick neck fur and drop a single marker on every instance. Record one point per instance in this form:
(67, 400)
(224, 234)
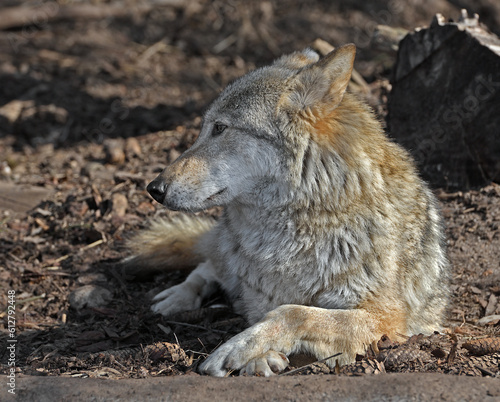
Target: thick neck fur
(337, 176)
(337, 160)
(342, 171)
(340, 163)
(346, 190)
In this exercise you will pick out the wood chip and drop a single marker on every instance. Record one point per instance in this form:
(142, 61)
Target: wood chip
(132, 147)
(120, 204)
(489, 320)
(492, 305)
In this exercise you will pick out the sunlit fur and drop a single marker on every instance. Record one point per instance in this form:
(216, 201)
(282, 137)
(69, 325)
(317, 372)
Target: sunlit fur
(328, 239)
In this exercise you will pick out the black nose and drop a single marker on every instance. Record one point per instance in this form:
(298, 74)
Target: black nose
(157, 189)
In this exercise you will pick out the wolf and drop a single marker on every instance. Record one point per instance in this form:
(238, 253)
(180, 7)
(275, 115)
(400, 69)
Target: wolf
(328, 237)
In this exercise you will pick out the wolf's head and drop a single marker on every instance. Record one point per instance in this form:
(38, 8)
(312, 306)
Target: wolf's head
(256, 132)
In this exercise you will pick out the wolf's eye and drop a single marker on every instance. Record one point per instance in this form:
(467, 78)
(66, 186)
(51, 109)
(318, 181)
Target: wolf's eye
(218, 129)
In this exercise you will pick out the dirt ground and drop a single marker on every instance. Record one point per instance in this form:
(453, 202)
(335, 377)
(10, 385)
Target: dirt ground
(92, 109)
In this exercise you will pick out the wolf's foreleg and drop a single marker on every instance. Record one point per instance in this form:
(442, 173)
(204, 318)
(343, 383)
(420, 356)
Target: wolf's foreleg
(189, 294)
(294, 328)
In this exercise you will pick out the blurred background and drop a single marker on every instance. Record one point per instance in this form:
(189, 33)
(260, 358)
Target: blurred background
(87, 70)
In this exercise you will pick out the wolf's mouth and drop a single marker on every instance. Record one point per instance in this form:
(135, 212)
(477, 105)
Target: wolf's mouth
(217, 194)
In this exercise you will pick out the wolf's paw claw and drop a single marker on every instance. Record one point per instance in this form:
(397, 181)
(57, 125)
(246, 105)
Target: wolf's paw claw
(266, 365)
(250, 351)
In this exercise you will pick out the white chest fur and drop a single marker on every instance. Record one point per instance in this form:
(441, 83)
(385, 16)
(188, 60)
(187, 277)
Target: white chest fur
(264, 259)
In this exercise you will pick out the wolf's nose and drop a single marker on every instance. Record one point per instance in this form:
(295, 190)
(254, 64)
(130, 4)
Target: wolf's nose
(157, 189)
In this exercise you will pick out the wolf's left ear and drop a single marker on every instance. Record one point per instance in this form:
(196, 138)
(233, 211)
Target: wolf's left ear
(323, 83)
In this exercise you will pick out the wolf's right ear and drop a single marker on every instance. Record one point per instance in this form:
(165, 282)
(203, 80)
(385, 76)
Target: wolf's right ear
(322, 84)
(297, 60)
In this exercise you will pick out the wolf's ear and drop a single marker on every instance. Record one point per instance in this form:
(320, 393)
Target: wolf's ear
(297, 60)
(323, 83)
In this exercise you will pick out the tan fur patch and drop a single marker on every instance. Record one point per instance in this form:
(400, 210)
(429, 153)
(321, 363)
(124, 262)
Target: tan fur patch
(390, 318)
(190, 169)
(342, 124)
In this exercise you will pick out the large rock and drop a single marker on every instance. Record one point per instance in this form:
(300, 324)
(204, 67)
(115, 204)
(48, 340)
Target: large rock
(444, 106)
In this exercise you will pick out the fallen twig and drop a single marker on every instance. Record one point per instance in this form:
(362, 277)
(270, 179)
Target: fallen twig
(185, 324)
(310, 364)
(30, 299)
(52, 264)
(485, 371)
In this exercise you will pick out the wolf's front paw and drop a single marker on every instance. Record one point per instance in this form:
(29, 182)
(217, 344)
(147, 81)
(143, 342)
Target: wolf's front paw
(183, 297)
(250, 351)
(266, 364)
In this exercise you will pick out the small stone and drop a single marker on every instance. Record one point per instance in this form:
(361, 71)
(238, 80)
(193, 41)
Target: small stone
(489, 320)
(12, 110)
(96, 170)
(114, 152)
(91, 167)
(89, 296)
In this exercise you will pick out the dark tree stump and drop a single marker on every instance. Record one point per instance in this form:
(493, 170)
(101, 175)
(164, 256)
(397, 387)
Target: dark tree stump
(444, 106)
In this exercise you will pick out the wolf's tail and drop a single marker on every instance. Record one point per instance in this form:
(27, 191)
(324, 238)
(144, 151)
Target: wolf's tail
(168, 244)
